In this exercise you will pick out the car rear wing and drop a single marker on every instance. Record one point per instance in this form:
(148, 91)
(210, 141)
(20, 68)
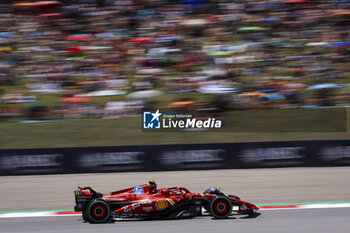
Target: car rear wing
(83, 196)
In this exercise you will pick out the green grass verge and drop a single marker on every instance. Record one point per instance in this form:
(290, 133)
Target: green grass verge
(242, 126)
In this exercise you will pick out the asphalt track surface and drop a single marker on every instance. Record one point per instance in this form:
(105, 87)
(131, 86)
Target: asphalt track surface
(293, 220)
(278, 185)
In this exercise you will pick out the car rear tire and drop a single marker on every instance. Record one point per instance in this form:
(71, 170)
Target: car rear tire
(220, 207)
(98, 211)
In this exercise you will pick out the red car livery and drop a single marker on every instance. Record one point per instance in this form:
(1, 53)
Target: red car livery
(166, 203)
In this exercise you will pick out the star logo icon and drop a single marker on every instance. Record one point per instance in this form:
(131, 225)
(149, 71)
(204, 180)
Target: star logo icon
(156, 115)
(151, 119)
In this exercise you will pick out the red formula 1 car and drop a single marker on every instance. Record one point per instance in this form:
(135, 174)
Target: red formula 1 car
(148, 202)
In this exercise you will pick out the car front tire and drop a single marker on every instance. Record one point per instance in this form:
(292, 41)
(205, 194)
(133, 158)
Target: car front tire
(220, 207)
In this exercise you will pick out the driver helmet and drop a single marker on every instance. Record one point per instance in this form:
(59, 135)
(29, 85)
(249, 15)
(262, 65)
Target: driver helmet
(152, 186)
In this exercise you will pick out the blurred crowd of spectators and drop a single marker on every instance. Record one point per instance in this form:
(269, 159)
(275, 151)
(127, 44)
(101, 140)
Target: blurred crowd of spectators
(109, 58)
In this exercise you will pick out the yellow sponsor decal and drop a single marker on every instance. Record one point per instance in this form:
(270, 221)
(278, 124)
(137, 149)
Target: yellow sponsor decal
(161, 204)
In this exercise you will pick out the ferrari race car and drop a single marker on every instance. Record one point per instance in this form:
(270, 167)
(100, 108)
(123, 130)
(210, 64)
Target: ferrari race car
(148, 202)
